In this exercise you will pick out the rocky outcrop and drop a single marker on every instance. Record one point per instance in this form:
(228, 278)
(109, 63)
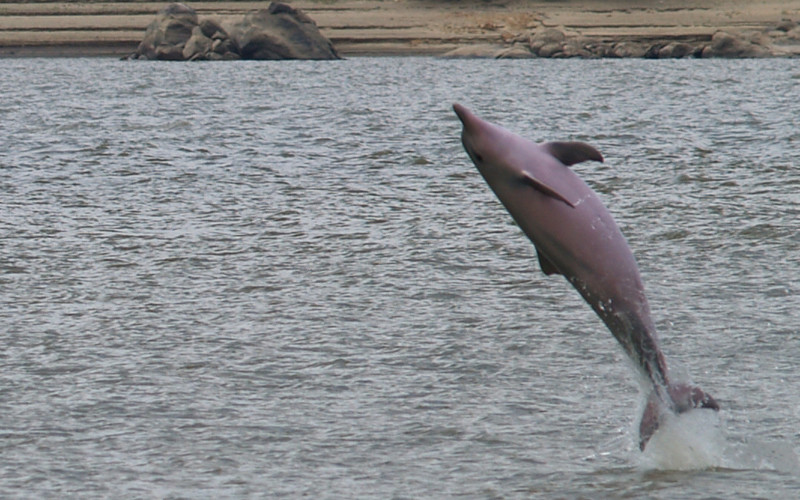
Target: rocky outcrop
(516, 51)
(727, 45)
(165, 37)
(778, 41)
(627, 49)
(548, 42)
(672, 50)
(278, 32)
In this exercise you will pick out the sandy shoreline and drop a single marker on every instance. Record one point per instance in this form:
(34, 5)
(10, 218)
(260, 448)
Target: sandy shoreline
(399, 27)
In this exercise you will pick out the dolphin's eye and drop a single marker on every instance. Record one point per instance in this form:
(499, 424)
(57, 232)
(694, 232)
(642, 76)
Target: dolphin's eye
(478, 157)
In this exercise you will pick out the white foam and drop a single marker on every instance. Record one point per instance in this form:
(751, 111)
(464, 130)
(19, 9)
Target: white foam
(689, 441)
(697, 440)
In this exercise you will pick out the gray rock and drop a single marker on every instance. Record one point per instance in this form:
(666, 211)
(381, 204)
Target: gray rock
(223, 46)
(166, 52)
(551, 42)
(212, 29)
(166, 35)
(549, 37)
(597, 49)
(727, 45)
(515, 52)
(672, 50)
(549, 49)
(627, 49)
(280, 32)
(576, 47)
(197, 46)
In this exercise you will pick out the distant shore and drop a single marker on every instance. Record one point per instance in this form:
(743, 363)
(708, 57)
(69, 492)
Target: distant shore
(407, 27)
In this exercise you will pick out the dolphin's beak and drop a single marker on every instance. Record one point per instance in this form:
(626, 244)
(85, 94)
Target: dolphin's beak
(465, 115)
(471, 125)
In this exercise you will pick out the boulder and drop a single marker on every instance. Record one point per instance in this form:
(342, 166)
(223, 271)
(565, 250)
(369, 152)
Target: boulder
(516, 51)
(197, 46)
(555, 43)
(212, 29)
(727, 45)
(168, 53)
(280, 32)
(547, 42)
(549, 36)
(672, 50)
(165, 37)
(549, 49)
(597, 49)
(577, 47)
(627, 49)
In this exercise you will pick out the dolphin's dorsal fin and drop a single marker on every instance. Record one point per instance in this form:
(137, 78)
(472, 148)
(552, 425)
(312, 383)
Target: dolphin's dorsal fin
(547, 266)
(544, 188)
(570, 153)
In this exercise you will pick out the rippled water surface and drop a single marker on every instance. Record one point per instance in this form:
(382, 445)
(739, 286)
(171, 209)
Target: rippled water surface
(267, 279)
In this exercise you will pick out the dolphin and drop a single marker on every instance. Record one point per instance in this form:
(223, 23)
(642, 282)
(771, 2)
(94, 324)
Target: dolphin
(576, 236)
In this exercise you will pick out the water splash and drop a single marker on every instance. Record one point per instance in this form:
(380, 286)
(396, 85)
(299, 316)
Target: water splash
(689, 441)
(697, 440)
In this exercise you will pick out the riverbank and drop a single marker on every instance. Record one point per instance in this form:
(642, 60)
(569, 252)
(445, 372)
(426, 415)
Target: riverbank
(410, 27)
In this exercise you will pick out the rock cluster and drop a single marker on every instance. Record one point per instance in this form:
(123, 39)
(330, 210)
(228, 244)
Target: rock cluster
(556, 43)
(278, 32)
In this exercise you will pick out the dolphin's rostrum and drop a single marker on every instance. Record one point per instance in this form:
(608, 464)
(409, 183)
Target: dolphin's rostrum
(575, 236)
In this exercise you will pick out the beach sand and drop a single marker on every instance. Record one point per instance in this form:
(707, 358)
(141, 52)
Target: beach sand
(397, 27)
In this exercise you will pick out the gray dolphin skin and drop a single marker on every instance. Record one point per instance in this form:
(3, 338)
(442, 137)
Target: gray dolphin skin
(575, 236)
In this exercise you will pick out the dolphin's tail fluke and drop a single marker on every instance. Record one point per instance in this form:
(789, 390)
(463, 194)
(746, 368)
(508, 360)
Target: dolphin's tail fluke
(683, 398)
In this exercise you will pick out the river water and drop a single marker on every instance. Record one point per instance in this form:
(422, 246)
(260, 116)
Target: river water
(287, 279)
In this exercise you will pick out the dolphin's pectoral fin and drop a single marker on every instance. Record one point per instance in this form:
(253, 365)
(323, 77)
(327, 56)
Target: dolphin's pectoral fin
(570, 153)
(544, 188)
(548, 267)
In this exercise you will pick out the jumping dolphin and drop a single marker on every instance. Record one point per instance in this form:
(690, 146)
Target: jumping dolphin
(575, 236)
